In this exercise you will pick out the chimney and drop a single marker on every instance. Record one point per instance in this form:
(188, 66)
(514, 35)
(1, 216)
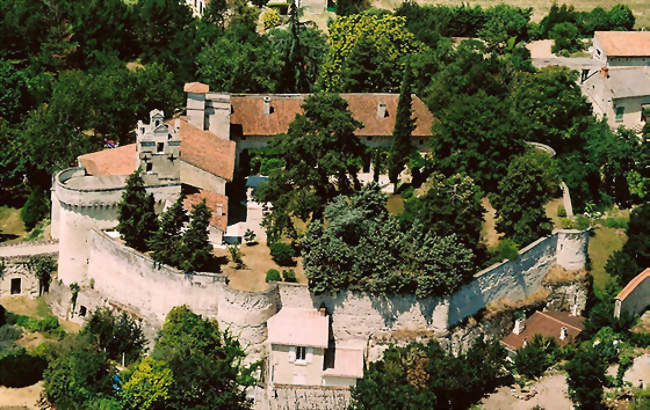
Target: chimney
(196, 103)
(322, 311)
(604, 72)
(177, 124)
(563, 333)
(219, 209)
(520, 325)
(381, 110)
(266, 107)
(574, 309)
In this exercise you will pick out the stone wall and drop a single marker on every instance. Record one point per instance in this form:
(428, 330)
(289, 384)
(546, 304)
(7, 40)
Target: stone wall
(17, 268)
(284, 397)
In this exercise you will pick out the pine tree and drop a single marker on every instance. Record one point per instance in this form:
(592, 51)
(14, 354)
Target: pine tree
(401, 147)
(196, 251)
(136, 213)
(294, 74)
(166, 241)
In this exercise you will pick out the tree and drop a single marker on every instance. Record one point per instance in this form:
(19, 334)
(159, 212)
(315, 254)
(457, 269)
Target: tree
(322, 156)
(120, 336)
(504, 23)
(166, 241)
(294, 74)
(149, 385)
(136, 215)
(215, 13)
(206, 363)
(628, 262)
(196, 252)
(401, 146)
(565, 38)
(520, 201)
(42, 267)
(384, 33)
(365, 70)
(348, 7)
(476, 135)
(533, 359)
(448, 205)
(621, 18)
(586, 378)
(35, 209)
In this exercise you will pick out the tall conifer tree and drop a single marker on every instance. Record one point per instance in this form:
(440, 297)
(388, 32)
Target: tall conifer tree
(166, 241)
(136, 213)
(196, 250)
(402, 147)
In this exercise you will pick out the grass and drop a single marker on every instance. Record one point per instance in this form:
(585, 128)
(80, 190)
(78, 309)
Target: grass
(11, 224)
(640, 8)
(604, 242)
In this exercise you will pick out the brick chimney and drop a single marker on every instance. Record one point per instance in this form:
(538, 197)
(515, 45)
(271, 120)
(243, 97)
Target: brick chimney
(381, 110)
(604, 72)
(563, 333)
(520, 325)
(266, 107)
(322, 311)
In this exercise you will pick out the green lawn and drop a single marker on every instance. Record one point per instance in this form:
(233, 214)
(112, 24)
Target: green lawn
(11, 225)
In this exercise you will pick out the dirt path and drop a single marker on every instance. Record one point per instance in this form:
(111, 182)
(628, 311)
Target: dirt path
(20, 398)
(552, 393)
(26, 249)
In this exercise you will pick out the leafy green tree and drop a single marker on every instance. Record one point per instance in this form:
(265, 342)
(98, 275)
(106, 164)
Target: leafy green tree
(387, 36)
(166, 241)
(628, 262)
(476, 135)
(348, 7)
(538, 355)
(215, 13)
(36, 208)
(520, 201)
(448, 205)
(42, 267)
(149, 385)
(117, 335)
(322, 156)
(586, 378)
(565, 38)
(551, 107)
(206, 363)
(196, 252)
(365, 70)
(621, 18)
(77, 372)
(401, 146)
(136, 215)
(295, 77)
(428, 22)
(504, 23)
(14, 84)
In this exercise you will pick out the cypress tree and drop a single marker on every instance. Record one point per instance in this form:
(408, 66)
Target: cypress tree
(401, 146)
(294, 73)
(136, 213)
(166, 241)
(196, 250)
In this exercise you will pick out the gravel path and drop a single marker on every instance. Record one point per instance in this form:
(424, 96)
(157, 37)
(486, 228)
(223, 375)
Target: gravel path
(27, 249)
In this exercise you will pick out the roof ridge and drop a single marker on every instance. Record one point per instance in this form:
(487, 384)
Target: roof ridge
(558, 320)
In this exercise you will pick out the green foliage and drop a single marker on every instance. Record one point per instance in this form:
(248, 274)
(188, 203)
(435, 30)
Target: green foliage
(196, 252)
(272, 275)
(565, 39)
(505, 249)
(289, 275)
(33, 324)
(270, 19)
(249, 236)
(236, 255)
(449, 205)
(561, 211)
(136, 215)
(586, 378)
(348, 7)
(42, 267)
(322, 156)
(505, 23)
(619, 17)
(19, 369)
(628, 262)
(383, 33)
(117, 335)
(615, 222)
(149, 385)
(362, 247)
(205, 363)
(74, 288)
(166, 240)
(401, 146)
(36, 208)
(417, 376)
(282, 253)
(538, 355)
(520, 202)
(428, 23)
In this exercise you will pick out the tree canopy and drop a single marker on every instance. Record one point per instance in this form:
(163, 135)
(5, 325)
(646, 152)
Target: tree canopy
(136, 215)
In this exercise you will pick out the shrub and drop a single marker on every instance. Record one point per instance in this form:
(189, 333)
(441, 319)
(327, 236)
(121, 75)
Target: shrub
(615, 222)
(236, 256)
(567, 223)
(282, 254)
(33, 324)
(36, 208)
(20, 369)
(289, 275)
(271, 18)
(582, 222)
(249, 236)
(561, 212)
(533, 359)
(506, 249)
(9, 333)
(272, 275)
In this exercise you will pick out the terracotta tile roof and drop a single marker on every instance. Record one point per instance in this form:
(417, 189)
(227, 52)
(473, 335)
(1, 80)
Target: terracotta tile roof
(625, 43)
(112, 161)
(247, 112)
(299, 327)
(212, 200)
(196, 88)
(205, 150)
(631, 285)
(547, 324)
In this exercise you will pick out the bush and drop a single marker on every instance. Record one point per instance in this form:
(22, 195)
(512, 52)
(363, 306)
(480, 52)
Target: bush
(561, 212)
(21, 369)
(249, 236)
(9, 334)
(533, 359)
(33, 324)
(36, 208)
(236, 256)
(282, 254)
(271, 18)
(506, 249)
(582, 222)
(615, 222)
(289, 276)
(272, 275)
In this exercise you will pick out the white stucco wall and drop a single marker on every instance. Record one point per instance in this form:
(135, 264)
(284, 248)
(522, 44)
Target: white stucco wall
(284, 371)
(195, 176)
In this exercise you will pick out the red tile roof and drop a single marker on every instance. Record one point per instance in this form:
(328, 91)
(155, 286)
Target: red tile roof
(196, 88)
(247, 112)
(547, 324)
(632, 285)
(625, 43)
(112, 161)
(205, 150)
(212, 200)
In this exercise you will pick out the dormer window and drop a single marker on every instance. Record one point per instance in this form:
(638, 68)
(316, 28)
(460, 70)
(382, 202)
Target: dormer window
(157, 123)
(160, 147)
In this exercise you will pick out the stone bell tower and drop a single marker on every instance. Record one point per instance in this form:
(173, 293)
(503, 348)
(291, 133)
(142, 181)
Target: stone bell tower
(158, 147)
